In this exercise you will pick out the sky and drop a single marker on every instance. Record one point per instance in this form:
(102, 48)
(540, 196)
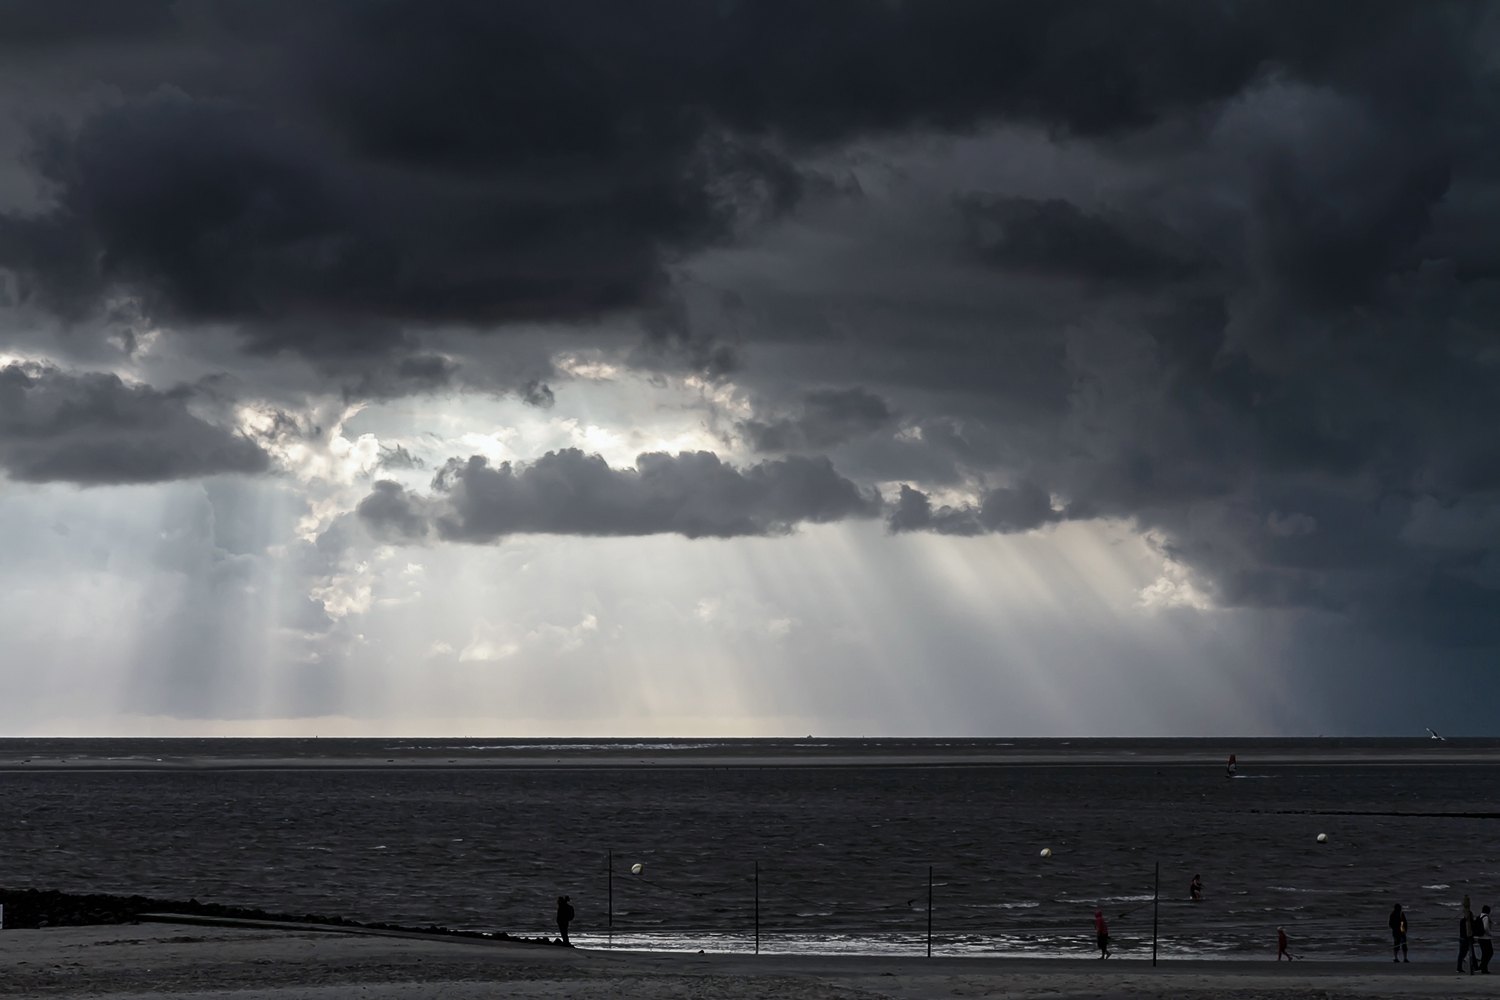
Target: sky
(749, 368)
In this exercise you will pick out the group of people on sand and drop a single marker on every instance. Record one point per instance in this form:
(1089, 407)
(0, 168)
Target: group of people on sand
(1474, 941)
(1474, 934)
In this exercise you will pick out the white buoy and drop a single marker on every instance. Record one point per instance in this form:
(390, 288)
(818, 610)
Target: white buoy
(636, 868)
(1322, 838)
(1046, 852)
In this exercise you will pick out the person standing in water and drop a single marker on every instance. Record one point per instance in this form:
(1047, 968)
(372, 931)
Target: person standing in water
(1195, 888)
(1101, 931)
(1281, 945)
(1398, 934)
(564, 917)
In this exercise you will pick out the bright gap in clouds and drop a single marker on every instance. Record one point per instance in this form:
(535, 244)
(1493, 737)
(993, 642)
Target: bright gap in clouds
(609, 411)
(211, 608)
(242, 606)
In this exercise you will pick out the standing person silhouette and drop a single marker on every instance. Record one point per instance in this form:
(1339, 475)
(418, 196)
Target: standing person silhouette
(564, 916)
(1398, 934)
(1101, 931)
(1482, 939)
(1195, 888)
(1466, 937)
(1281, 945)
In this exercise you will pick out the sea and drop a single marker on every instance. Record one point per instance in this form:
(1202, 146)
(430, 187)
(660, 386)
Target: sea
(879, 846)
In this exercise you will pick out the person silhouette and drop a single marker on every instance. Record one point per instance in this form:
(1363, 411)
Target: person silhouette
(564, 916)
(1482, 939)
(1466, 937)
(1195, 888)
(1281, 945)
(1398, 934)
(1101, 931)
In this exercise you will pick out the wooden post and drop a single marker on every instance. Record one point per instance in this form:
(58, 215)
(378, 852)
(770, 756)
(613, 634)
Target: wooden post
(1155, 910)
(929, 911)
(757, 907)
(611, 882)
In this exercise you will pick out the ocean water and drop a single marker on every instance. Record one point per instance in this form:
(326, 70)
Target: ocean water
(484, 834)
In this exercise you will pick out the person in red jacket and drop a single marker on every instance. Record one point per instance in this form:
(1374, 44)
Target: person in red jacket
(1281, 945)
(1101, 930)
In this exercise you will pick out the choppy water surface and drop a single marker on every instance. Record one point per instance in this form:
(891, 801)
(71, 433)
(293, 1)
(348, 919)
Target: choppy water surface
(843, 850)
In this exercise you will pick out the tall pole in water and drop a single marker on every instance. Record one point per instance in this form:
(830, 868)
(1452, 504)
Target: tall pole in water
(1155, 910)
(611, 881)
(929, 911)
(757, 907)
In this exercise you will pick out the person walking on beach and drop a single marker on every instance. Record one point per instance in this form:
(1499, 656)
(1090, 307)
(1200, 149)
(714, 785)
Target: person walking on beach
(1195, 889)
(1281, 945)
(564, 916)
(1398, 934)
(1101, 931)
(1466, 937)
(1482, 940)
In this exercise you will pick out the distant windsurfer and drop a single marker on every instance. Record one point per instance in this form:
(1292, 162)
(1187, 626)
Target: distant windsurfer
(1229, 772)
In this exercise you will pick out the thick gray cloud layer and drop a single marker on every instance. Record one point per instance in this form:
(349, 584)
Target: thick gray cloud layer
(95, 429)
(826, 417)
(567, 492)
(325, 173)
(1234, 278)
(1007, 509)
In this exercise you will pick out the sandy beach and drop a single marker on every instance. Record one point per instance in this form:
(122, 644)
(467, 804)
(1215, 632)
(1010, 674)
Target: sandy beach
(256, 963)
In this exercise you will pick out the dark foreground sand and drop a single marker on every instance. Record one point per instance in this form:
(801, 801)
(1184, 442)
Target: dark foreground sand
(239, 963)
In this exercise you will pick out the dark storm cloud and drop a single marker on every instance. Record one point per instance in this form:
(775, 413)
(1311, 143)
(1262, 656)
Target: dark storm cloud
(323, 173)
(1054, 237)
(32, 23)
(93, 429)
(1006, 510)
(827, 417)
(1247, 300)
(567, 492)
(212, 213)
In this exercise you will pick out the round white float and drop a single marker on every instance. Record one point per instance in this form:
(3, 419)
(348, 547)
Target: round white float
(1322, 838)
(1046, 852)
(635, 869)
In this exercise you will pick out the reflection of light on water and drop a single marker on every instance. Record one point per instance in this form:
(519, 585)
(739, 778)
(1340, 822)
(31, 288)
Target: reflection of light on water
(581, 746)
(976, 945)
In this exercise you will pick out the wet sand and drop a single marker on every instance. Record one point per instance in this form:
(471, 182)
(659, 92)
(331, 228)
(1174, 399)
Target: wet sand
(255, 963)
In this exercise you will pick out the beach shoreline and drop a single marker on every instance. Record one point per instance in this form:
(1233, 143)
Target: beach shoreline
(339, 755)
(256, 963)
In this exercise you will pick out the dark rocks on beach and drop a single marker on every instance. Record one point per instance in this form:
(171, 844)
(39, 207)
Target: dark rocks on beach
(48, 908)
